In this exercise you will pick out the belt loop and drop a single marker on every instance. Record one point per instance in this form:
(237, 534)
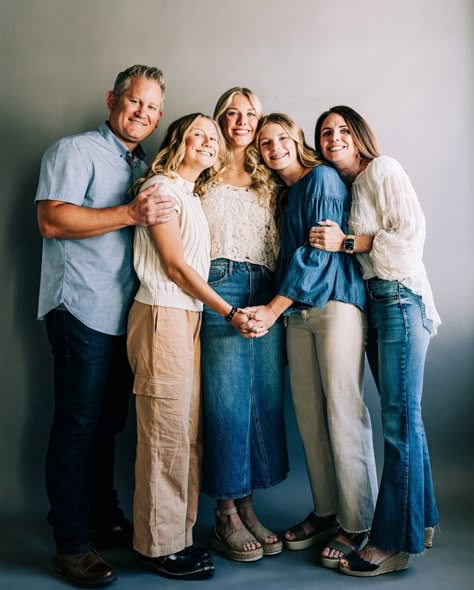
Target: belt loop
(231, 264)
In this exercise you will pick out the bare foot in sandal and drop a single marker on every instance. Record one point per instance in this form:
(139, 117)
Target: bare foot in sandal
(231, 537)
(270, 542)
(227, 524)
(313, 529)
(342, 545)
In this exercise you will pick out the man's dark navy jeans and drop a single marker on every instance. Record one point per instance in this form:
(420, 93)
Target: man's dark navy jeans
(92, 385)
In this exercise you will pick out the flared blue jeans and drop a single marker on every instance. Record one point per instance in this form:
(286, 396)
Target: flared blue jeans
(399, 334)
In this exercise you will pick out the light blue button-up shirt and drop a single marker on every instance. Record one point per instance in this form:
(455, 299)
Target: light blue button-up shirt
(94, 277)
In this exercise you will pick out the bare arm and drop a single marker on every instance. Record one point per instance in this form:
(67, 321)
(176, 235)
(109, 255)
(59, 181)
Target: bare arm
(330, 237)
(169, 245)
(57, 219)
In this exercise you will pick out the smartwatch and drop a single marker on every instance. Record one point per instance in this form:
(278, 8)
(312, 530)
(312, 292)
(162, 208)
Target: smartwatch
(349, 244)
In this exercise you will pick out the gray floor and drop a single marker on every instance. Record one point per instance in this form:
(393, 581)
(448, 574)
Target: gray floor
(26, 547)
(26, 557)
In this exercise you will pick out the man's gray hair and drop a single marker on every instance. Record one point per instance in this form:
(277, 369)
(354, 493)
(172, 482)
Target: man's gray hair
(122, 81)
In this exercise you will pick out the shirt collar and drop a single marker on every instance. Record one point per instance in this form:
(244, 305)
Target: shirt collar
(110, 138)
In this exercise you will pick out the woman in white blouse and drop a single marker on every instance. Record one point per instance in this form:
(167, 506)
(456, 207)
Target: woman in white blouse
(387, 236)
(244, 430)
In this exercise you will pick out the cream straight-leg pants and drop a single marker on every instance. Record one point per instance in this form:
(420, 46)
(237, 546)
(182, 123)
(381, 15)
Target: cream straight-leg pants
(326, 364)
(164, 352)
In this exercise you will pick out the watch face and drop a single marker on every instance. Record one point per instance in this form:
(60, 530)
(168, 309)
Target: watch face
(349, 244)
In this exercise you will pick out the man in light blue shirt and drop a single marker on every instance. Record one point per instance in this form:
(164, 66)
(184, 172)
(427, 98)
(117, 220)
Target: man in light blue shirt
(86, 216)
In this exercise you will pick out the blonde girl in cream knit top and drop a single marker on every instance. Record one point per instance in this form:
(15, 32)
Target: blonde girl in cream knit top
(172, 259)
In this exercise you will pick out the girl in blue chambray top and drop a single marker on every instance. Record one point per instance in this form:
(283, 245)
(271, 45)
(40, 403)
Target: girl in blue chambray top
(324, 298)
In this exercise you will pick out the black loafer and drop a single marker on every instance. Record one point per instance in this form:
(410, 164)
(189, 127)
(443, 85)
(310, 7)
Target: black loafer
(84, 569)
(199, 552)
(178, 566)
(119, 535)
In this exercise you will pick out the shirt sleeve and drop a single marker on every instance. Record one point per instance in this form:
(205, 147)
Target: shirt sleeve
(398, 246)
(309, 269)
(65, 173)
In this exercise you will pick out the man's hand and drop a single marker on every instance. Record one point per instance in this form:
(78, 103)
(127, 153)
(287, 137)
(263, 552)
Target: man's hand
(150, 207)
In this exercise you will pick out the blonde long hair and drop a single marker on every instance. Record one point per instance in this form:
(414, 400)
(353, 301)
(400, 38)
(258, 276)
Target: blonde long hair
(173, 149)
(262, 180)
(306, 155)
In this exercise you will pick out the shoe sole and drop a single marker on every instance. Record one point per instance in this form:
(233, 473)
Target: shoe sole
(395, 563)
(428, 537)
(331, 563)
(82, 583)
(272, 548)
(203, 573)
(311, 540)
(242, 556)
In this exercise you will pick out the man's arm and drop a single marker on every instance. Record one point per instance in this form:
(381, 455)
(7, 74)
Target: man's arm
(66, 221)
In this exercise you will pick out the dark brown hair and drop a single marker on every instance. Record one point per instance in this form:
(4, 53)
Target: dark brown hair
(362, 135)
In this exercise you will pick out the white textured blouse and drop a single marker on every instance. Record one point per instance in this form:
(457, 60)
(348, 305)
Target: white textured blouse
(385, 205)
(155, 286)
(243, 228)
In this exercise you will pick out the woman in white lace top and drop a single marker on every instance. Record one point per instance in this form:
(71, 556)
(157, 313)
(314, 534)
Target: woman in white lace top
(244, 430)
(387, 235)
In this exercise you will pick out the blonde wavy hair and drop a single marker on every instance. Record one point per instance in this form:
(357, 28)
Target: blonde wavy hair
(262, 180)
(306, 155)
(173, 149)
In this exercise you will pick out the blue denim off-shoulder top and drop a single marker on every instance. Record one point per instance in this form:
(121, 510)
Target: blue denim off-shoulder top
(309, 276)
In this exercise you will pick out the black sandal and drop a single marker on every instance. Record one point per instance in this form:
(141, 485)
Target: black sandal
(358, 541)
(323, 528)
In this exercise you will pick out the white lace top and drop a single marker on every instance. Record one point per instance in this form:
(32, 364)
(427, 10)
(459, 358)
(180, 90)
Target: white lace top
(242, 228)
(385, 205)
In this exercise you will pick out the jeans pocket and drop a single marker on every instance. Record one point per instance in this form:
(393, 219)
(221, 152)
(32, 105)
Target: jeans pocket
(217, 273)
(383, 291)
(427, 323)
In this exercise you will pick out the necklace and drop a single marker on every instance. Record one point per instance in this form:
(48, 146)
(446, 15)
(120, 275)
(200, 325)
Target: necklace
(300, 176)
(236, 169)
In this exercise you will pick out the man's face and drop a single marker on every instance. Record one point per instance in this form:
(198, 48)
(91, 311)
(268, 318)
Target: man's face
(136, 113)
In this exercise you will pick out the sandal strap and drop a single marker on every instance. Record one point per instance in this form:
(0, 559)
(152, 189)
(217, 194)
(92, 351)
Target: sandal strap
(318, 523)
(298, 531)
(225, 512)
(359, 540)
(244, 504)
(341, 547)
(261, 533)
(237, 539)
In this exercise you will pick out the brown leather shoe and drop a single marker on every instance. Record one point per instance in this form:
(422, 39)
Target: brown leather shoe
(84, 569)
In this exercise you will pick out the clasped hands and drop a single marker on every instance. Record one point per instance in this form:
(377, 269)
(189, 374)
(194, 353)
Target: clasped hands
(254, 322)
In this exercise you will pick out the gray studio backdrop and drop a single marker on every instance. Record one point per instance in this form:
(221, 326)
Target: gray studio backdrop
(407, 65)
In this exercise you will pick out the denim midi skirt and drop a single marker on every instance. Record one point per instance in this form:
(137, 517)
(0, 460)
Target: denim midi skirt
(243, 389)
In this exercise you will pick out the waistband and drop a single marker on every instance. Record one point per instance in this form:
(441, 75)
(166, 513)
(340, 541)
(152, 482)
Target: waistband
(230, 265)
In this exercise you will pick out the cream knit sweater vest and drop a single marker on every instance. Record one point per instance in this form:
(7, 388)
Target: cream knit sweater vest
(155, 287)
